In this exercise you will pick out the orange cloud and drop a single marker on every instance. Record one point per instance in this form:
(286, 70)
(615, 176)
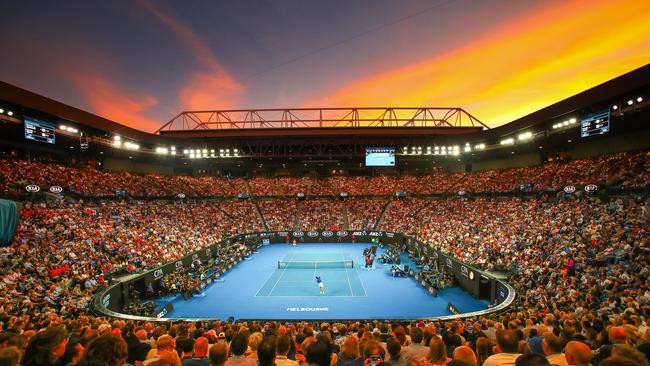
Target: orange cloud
(210, 88)
(111, 101)
(538, 58)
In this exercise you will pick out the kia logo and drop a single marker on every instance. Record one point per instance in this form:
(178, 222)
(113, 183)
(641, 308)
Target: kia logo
(342, 233)
(327, 233)
(570, 189)
(179, 264)
(195, 256)
(32, 188)
(158, 273)
(312, 233)
(449, 262)
(181, 195)
(591, 188)
(56, 189)
(298, 233)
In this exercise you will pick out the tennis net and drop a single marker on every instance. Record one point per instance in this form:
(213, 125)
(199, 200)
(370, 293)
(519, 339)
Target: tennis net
(315, 264)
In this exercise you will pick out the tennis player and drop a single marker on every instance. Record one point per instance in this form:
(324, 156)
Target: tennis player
(320, 283)
(294, 243)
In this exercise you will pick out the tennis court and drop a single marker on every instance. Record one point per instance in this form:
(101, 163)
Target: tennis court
(257, 289)
(296, 273)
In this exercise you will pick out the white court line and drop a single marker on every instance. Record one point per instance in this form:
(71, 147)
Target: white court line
(313, 281)
(276, 282)
(320, 296)
(347, 275)
(361, 281)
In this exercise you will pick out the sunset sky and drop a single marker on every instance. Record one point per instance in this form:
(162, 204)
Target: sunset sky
(141, 62)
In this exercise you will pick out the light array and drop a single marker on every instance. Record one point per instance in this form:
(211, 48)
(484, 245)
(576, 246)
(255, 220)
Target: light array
(9, 113)
(508, 141)
(68, 129)
(435, 150)
(128, 145)
(567, 123)
(211, 153)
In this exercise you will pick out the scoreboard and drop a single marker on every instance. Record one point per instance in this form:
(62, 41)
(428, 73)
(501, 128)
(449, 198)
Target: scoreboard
(39, 130)
(380, 156)
(595, 124)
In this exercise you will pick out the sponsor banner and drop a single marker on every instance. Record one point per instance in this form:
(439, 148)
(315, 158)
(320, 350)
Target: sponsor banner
(390, 235)
(208, 251)
(341, 233)
(591, 188)
(106, 300)
(195, 256)
(360, 233)
(452, 309)
(158, 273)
(251, 236)
(298, 234)
(569, 189)
(464, 271)
(266, 241)
(376, 233)
(282, 233)
(312, 234)
(179, 264)
(327, 234)
(56, 189)
(181, 195)
(449, 263)
(266, 235)
(32, 188)
(162, 313)
(307, 309)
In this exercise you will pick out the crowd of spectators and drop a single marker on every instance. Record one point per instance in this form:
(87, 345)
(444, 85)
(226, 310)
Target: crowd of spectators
(364, 213)
(517, 338)
(321, 214)
(278, 214)
(580, 266)
(626, 170)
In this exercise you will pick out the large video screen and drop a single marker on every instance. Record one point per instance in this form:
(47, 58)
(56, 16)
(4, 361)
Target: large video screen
(595, 123)
(380, 156)
(39, 130)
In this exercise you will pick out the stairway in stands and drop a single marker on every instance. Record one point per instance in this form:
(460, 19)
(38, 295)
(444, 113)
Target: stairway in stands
(346, 220)
(296, 219)
(380, 219)
(260, 217)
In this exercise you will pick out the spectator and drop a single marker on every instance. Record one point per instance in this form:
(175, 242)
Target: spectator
(415, 351)
(553, 346)
(109, 350)
(238, 348)
(283, 347)
(218, 354)
(394, 350)
(578, 354)
(200, 356)
(533, 359)
(506, 349)
(266, 351)
(465, 355)
(46, 347)
(437, 355)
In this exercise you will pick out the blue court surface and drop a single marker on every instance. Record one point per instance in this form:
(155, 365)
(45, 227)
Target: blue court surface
(257, 289)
